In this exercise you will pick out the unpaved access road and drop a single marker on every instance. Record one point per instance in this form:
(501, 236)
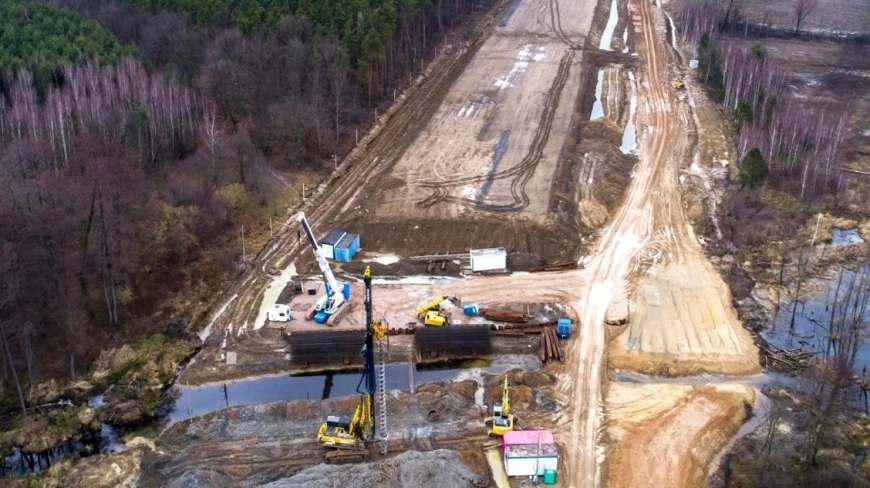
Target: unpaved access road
(648, 234)
(683, 321)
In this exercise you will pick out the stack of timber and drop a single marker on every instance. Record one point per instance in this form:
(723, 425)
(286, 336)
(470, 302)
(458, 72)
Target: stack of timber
(560, 266)
(500, 315)
(550, 349)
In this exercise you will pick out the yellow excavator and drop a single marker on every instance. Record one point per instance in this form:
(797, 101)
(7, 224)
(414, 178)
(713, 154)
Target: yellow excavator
(430, 312)
(502, 419)
(678, 84)
(349, 435)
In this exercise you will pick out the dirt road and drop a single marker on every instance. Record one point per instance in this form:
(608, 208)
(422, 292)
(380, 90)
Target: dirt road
(441, 140)
(650, 238)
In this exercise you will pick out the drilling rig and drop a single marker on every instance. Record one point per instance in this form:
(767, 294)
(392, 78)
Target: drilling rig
(349, 435)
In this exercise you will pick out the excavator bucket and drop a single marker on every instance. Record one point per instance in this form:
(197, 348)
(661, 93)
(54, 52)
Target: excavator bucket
(452, 342)
(325, 347)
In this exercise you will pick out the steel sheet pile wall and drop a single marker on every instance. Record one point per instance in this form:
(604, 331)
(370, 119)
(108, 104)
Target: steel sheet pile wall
(311, 348)
(453, 342)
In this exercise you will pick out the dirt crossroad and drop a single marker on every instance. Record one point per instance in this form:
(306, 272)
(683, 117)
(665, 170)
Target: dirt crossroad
(649, 238)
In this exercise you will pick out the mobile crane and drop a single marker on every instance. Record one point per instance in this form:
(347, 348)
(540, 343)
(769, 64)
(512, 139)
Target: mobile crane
(333, 305)
(502, 419)
(349, 435)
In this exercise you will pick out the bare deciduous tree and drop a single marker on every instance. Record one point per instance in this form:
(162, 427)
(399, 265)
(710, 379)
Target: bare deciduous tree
(802, 9)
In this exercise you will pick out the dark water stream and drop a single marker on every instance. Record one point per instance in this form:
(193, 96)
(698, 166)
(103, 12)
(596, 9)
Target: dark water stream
(196, 401)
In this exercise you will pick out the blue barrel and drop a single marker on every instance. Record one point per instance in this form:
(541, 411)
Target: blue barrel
(563, 328)
(549, 476)
(470, 309)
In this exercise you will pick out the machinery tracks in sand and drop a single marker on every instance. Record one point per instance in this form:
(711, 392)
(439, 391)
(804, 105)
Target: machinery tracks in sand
(381, 153)
(521, 173)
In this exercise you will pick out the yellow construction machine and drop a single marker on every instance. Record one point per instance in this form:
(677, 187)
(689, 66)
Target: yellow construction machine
(430, 312)
(678, 84)
(502, 419)
(349, 435)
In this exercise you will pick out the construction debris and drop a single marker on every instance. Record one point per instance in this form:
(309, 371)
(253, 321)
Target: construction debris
(560, 266)
(500, 315)
(784, 359)
(550, 348)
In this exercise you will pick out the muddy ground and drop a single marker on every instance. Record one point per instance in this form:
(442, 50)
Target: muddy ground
(676, 429)
(771, 455)
(263, 443)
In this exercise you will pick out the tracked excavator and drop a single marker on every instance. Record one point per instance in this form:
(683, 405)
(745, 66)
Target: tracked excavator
(347, 437)
(334, 304)
(502, 419)
(430, 312)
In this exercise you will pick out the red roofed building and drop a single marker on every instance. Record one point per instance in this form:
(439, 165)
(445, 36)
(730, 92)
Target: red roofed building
(529, 452)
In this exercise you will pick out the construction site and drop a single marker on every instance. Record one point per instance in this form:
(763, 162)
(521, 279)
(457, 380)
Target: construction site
(501, 284)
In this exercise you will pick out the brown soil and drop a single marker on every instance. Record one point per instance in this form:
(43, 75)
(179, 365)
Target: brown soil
(673, 430)
(258, 444)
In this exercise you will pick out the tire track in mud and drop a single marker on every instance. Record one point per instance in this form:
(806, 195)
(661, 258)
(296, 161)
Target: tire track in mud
(523, 171)
(381, 153)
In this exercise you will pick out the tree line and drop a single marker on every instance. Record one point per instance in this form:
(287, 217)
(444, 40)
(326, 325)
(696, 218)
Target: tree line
(33, 34)
(121, 177)
(802, 146)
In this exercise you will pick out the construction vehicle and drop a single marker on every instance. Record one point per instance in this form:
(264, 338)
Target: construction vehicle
(334, 304)
(348, 436)
(678, 84)
(430, 312)
(502, 419)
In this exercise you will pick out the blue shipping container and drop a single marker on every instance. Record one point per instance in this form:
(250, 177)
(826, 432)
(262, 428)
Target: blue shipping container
(327, 244)
(563, 328)
(470, 309)
(346, 248)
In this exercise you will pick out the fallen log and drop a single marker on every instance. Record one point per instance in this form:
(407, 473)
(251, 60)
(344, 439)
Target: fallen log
(560, 266)
(500, 315)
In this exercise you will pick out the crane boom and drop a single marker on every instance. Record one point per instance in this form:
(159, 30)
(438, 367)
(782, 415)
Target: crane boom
(321, 261)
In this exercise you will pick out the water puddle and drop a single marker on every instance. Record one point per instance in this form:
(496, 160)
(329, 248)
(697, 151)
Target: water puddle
(625, 41)
(196, 401)
(273, 291)
(19, 463)
(759, 413)
(610, 27)
(597, 106)
(629, 137)
(813, 317)
(845, 237)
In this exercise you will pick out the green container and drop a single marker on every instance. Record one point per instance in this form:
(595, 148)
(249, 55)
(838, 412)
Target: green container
(549, 476)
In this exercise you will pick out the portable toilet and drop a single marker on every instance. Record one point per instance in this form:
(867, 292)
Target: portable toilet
(549, 476)
(563, 328)
(346, 247)
(470, 309)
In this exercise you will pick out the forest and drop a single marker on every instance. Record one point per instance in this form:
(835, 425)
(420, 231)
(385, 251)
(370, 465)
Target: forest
(138, 137)
(803, 146)
(38, 37)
